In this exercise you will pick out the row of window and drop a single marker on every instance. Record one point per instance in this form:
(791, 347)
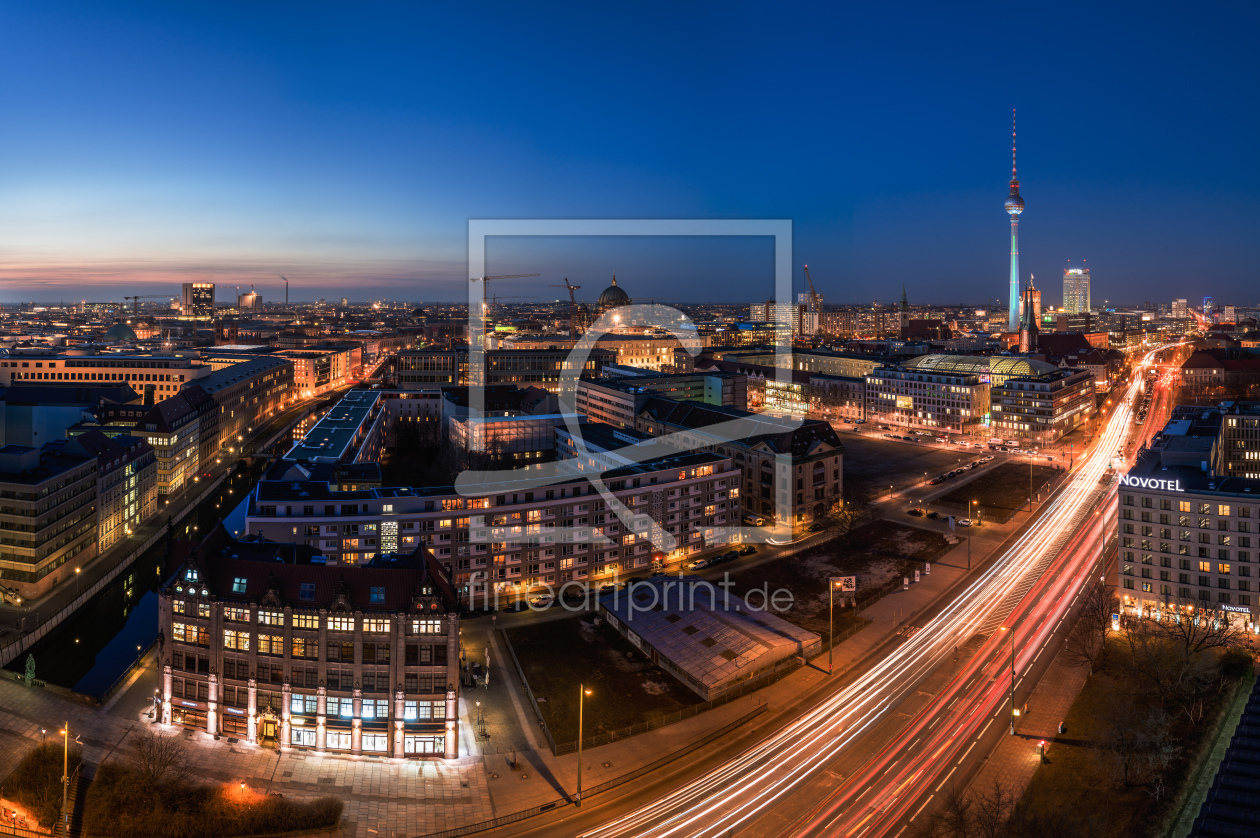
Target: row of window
(1202, 507)
(1184, 593)
(379, 625)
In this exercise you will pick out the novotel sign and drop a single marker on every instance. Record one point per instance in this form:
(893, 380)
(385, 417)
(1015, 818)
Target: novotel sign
(1151, 483)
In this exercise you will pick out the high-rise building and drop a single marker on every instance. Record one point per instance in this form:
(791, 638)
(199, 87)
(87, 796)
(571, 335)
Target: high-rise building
(1014, 206)
(197, 299)
(1180, 308)
(1076, 290)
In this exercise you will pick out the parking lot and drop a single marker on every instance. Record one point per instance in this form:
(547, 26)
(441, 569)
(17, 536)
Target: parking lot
(872, 463)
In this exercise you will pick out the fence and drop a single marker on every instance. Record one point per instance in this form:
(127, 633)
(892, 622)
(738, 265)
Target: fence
(590, 792)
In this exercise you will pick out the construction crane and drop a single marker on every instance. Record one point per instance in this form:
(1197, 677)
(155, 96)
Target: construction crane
(484, 280)
(572, 304)
(813, 295)
(135, 301)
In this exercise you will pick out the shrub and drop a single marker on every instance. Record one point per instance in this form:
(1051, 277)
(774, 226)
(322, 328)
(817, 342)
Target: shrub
(36, 782)
(123, 802)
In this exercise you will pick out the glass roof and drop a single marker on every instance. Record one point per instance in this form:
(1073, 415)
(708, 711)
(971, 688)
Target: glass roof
(999, 365)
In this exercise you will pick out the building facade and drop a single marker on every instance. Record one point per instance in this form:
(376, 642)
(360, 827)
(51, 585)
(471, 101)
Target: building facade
(510, 541)
(197, 300)
(937, 401)
(1076, 291)
(262, 642)
(48, 517)
(1043, 408)
(126, 483)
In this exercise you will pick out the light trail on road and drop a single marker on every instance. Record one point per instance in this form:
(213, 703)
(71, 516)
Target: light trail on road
(749, 785)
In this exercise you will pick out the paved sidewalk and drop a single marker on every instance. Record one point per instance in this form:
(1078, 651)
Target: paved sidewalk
(1016, 759)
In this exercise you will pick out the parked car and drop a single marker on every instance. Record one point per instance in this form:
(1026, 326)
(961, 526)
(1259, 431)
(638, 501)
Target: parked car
(754, 520)
(859, 421)
(698, 564)
(541, 601)
(814, 528)
(747, 550)
(934, 515)
(941, 439)
(964, 522)
(936, 480)
(916, 512)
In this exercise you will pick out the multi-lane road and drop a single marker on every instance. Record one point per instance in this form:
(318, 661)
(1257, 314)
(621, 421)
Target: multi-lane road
(774, 786)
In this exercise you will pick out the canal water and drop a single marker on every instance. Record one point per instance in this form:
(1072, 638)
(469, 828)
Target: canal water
(91, 649)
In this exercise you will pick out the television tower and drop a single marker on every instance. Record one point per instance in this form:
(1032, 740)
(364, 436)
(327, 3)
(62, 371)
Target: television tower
(1014, 206)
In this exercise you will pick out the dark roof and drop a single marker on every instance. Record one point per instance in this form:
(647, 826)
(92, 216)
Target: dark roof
(799, 442)
(1201, 361)
(276, 572)
(304, 470)
(50, 394)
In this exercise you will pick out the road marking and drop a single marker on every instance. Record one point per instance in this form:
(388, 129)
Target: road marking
(915, 742)
(890, 765)
(947, 776)
(920, 809)
(964, 756)
(934, 721)
(864, 791)
(1039, 651)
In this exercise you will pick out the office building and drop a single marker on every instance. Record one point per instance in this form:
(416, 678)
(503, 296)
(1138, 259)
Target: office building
(248, 393)
(50, 509)
(166, 373)
(197, 300)
(616, 400)
(1042, 408)
(353, 431)
(126, 482)
(1180, 308)
(939, 401)
(426, 368)
(271, 644)
(1076, 291)
(1239, 448)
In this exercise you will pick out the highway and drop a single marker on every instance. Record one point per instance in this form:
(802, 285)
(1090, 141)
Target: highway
(1015, 593)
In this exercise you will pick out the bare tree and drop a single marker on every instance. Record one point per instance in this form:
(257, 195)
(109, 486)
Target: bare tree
(1086, 645)
(161, 758)
(1197, 629)
(1137, 743)
(846, 516)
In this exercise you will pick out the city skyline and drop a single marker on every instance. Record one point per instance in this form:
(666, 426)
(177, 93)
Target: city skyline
(341, 150)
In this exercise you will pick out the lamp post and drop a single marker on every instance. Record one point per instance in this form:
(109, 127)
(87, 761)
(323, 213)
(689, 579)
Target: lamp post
(583, 692)
(65, 777)
(1011, 629)
(834, 582)
(77, 571)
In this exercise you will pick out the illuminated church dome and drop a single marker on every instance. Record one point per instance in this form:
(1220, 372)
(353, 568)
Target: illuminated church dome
(120, 333)
(612, 297)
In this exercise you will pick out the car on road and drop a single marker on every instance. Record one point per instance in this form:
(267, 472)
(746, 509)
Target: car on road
(814, 528)
(754, 520)
(859, 421)
(941, 439)
(747, 550)
(541, 601)
(607, 588)
(936, 480)
(934, 515)
(916, 512)
(965, 522)
(987, 458)
(698, 564)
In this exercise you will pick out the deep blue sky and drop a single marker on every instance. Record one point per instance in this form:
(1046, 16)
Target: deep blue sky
(346, 145)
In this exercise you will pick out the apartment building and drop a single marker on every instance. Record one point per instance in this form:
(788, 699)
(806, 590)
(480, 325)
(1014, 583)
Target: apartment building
(173, 427)
(953, 402)
(267, 643)
(509, 541)
(47, 518)
(318, 370)
(1043, 408)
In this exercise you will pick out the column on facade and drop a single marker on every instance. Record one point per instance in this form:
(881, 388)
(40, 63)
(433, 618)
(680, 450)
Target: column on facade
(166, 694)
(321, 718)
(397, 750)
(356, 724)
(212, 707)
(252, 708)
(452, 714)
(286, 716)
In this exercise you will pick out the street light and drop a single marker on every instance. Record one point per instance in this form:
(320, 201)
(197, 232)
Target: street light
(583, 692)
(65, 777)
(1014, 712)
(835, 582)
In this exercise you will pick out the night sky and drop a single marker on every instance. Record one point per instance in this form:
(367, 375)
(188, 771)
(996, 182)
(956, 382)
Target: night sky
(346, 146)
